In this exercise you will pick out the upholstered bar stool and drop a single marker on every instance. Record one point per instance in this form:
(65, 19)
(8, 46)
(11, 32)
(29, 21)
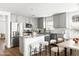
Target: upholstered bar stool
(44, 46)
(57, 50)
(43, 49)
(47, 43)
(53, 41)
(34, 49)
(54, 38)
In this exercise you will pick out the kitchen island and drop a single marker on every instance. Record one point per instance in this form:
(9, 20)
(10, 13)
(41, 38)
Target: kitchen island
(25, 42)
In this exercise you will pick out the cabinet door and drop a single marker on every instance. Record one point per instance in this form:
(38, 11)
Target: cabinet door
(56, 21)
(40, 23)
(62, 20)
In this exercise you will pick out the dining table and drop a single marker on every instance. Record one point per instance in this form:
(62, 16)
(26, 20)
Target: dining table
(69, 44)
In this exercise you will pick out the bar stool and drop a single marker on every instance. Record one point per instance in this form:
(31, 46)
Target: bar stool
(37, 50)
(53, 42)
(57, 50)
(43, 48)
(34, 49)
(53, 38)
(47, 43)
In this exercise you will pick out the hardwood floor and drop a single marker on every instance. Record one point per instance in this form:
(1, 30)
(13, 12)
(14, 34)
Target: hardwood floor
(8, 52)
(12, 52)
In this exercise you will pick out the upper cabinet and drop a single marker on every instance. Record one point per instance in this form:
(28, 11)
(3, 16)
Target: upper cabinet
(45, 22)
(59, 20)
(40, 23)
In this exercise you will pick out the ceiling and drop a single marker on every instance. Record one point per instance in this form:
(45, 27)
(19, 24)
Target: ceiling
(38, 9)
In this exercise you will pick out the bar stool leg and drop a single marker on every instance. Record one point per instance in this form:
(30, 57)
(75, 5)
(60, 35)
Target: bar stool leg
(45, 49)
(55, 53)
(40, 48)
(65, 50)
(49, 49)
(58, 51)
(35, 52)
(30, 50)
(75, 52)
(70, 52)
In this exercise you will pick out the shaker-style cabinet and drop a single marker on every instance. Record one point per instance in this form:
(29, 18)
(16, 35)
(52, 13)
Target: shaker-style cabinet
(59, 20)
(40, 23)
(45, 22)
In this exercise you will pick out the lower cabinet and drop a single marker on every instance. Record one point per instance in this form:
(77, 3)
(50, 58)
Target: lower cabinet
(15, 41)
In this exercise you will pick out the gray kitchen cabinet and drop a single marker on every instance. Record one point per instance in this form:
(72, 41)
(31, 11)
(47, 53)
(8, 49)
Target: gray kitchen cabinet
(56, 21)
(40, 23)
(45, 22)
(59, 20)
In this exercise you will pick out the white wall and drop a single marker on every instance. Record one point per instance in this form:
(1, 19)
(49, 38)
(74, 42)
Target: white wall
(3, 22)
(71, 26)
(69, 16)
(5, 26)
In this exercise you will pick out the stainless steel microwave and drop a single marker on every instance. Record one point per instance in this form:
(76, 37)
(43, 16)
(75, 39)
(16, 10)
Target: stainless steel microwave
(28, 25)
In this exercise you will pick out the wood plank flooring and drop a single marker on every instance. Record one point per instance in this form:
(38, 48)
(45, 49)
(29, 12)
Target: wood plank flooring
(8, 52)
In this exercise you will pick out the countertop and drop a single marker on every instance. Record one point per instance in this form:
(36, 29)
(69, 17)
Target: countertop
(31, 36)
